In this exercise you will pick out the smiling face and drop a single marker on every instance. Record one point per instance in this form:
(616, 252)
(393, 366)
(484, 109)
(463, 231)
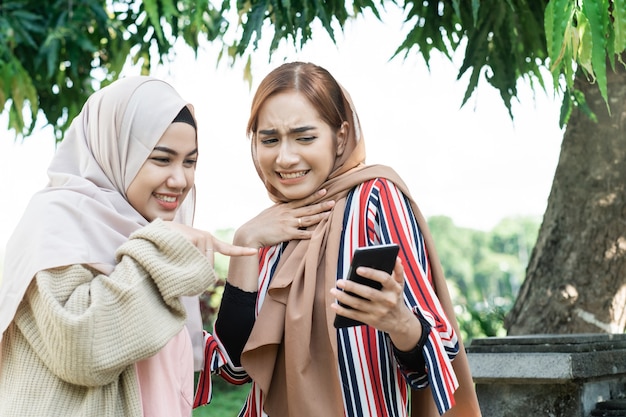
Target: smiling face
(168, 174)
(296, 150)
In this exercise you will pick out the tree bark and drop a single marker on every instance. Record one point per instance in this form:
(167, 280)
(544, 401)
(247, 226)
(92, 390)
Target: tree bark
(576, 278)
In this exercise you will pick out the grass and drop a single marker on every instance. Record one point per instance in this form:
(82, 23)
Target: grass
(227, 400)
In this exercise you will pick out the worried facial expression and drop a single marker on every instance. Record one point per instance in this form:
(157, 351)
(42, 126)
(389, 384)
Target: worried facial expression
(168, 174)
(296, 149)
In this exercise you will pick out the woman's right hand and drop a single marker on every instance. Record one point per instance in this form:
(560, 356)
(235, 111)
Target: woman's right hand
(283, 222)
(280, 223)
(209, 244)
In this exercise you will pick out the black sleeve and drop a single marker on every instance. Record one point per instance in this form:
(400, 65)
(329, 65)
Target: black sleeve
(235, 320)
(414, 359)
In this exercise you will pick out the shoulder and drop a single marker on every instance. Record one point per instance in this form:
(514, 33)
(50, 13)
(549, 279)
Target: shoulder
(380, 188)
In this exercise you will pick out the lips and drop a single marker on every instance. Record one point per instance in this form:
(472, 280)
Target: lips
(166, 198)
(292, 175)
(167, 201)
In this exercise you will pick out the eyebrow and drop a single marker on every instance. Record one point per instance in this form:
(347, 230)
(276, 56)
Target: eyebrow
(300, 129)
(172, 151)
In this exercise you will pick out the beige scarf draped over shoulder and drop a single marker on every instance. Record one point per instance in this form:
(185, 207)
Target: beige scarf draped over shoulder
(82, 215)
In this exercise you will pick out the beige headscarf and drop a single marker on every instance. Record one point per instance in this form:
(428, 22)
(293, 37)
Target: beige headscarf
(292, 345)
(82, 215)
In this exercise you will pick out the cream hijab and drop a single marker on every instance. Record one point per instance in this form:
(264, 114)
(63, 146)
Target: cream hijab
(289, 352)
(82, 216)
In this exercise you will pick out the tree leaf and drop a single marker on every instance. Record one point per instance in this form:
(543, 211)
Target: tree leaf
(558, 18)
(585, 44)
(152, 10)
(619, 25)
(596, 12)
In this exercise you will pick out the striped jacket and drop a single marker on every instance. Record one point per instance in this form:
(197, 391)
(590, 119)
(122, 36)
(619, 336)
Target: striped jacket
(374, 382)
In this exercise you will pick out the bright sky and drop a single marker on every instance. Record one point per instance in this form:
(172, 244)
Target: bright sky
(473, 164)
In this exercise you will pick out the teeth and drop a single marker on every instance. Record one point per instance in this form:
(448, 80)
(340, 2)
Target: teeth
(165, 198)
(293, 174)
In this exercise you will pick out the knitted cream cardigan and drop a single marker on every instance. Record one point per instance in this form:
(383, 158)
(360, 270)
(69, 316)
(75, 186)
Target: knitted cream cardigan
(72, 346)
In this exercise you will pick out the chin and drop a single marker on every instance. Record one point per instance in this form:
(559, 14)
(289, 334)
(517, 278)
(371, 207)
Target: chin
(295, 196)
(292, 194)
(167, 217)
(163, 216)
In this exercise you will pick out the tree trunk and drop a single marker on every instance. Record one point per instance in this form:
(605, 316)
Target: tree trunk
(576, 278)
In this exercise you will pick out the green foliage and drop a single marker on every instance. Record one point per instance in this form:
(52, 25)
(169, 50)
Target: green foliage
(484, 270)
(47, 50)
(227, 400)
(210, 300)
(585, 35)
(504, 39)
(54, 54)
(291, 20)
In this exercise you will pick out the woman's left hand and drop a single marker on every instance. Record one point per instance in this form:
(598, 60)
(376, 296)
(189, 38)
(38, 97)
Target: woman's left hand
(383, 309)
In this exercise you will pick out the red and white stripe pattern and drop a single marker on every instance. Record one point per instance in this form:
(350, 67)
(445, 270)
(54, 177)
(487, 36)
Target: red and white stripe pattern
(373, 382)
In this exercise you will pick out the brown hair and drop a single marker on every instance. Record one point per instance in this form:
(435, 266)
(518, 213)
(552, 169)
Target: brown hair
(317, 85)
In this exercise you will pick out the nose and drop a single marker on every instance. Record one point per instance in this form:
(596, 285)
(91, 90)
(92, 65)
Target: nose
(177, 179)
(287, 154)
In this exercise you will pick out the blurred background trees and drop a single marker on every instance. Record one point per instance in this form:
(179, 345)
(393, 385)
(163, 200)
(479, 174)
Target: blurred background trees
(53, 54)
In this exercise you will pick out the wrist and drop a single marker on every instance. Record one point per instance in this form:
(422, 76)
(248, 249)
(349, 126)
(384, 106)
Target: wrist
(408, 333)
(243, 238)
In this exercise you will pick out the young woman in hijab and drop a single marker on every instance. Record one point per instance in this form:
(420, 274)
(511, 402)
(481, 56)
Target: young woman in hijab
(307, 147)
(98, 304)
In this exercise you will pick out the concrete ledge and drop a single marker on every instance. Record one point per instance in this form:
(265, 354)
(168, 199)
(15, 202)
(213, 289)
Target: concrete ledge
(547, 358)
(546, 367)
(583, 342)
(547, 375)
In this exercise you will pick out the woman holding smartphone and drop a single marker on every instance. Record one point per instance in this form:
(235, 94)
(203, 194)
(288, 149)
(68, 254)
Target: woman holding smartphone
(276, 320)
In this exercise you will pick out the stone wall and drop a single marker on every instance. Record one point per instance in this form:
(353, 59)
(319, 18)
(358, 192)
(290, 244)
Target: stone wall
(548, 375)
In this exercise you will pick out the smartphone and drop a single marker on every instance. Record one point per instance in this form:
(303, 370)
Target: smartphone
(381, 257)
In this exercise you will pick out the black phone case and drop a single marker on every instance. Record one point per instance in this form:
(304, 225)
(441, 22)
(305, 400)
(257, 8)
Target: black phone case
(382, 257)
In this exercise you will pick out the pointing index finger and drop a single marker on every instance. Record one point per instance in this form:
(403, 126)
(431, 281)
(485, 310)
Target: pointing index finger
(232, 250)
